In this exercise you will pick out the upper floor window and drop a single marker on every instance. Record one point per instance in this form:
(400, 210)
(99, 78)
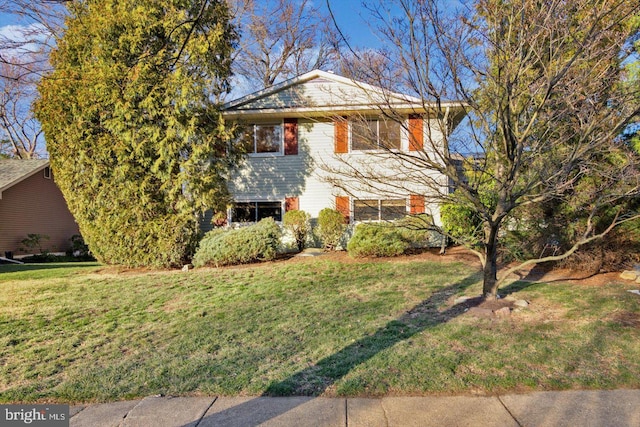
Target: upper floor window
(373, 134)
(379, 210)
(264, 138)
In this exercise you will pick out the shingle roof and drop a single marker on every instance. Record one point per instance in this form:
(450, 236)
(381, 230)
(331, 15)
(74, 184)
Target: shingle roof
(13, 171)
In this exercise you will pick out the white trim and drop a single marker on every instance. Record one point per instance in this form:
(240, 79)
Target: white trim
(278, 153)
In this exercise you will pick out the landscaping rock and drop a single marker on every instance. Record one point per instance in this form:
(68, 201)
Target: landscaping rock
(629, 275)
(187, 267)
(521, 303)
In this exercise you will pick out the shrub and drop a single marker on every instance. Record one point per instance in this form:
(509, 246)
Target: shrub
(33, 243)
(461, 223)
(258, 242)
(331, 228)
(376, 240)
(297, 223)
(418, 231)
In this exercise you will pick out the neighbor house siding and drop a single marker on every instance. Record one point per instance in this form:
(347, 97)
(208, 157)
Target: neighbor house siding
(35, 205)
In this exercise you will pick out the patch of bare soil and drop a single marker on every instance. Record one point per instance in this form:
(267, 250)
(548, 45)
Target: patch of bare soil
(454, 254)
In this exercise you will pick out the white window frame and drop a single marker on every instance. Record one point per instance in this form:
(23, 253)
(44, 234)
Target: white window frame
(47, 172)
(378, 146)
(278, 153)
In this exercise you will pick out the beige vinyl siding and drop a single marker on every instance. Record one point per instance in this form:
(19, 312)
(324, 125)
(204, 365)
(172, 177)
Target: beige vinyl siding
(320, 92)
(35, 205)
(278, 177)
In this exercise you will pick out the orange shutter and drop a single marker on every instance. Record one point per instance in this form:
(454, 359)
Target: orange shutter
(416, 133)
(290, 137)
(341, 142)
(342, 206)
(416, 204)
(291, 204)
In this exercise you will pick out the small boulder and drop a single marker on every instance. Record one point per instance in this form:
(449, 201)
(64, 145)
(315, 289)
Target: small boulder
(187, 267)
(521, 303)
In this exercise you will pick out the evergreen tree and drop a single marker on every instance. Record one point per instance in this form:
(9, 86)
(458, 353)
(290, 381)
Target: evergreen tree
(133, 126)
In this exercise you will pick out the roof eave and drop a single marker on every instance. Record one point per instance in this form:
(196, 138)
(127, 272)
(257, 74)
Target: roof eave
(23, 177)
(341, 110)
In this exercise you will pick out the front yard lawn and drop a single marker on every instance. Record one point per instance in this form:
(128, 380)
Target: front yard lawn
(85, 333)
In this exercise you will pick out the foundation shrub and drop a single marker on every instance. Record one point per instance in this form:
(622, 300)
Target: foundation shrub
(331, 228)
(258, 242)
(377, 240)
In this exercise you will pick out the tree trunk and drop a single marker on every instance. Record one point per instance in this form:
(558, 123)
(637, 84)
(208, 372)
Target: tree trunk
(490, 268)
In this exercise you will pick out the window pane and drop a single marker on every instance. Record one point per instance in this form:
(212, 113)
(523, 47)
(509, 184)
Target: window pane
(245, 139)
(393, 209)
(364, 134)
(270, 209)
(390, 134)
(244, 212)
(365, 210)
(268, 138)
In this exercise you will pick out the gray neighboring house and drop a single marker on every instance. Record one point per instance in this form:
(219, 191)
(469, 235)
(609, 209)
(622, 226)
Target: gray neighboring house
(31, 202)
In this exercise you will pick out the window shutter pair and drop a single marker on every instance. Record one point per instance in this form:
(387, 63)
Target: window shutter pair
(416, 134)
(416, 205)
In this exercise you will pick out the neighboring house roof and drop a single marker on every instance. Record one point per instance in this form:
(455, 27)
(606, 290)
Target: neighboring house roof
(321, 93)
(13, 171)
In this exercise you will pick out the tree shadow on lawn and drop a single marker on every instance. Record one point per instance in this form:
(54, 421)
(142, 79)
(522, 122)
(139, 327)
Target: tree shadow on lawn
(316, 379)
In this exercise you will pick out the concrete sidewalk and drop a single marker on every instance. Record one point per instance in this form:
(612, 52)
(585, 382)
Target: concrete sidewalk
(565, 408)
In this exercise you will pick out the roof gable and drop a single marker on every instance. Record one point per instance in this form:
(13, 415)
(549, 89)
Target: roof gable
(13, 171)
(319, 92)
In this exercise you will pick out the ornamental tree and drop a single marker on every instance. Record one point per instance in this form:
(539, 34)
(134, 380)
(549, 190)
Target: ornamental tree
(133, 126)
(544, 88)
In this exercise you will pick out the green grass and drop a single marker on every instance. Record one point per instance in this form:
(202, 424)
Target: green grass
(77, 333)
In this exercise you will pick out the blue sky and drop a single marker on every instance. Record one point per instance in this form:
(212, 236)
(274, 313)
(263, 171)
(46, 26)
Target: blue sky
(347, 14)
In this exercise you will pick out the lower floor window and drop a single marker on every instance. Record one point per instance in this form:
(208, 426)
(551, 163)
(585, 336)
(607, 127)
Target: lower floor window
(379, 210)
(255, 211)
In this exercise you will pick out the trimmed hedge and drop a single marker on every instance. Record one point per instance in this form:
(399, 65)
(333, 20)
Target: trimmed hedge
(258, 242)
(377, 240)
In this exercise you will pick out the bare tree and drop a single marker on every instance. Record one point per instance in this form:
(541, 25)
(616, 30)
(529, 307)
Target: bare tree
(21, 132)
(281, 39)
(543, 88)
(24, 52)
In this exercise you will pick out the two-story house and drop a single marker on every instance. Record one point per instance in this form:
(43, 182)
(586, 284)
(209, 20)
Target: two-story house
(311, 140)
